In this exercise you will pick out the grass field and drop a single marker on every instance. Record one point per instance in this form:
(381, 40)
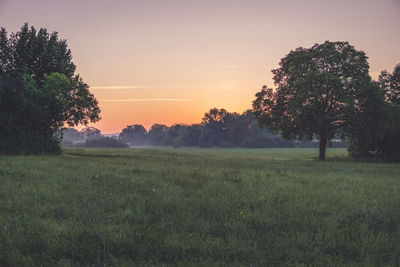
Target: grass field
(264, 207)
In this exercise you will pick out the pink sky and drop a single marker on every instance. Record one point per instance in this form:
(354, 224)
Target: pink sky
(169, 61)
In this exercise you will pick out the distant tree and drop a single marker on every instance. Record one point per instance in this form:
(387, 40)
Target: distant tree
(318, 91)
(215, 125)
(91, 133)
(134, 134)
(40, 92)
(239, 127)
(190, 134)
(157, 134)
(174, 135)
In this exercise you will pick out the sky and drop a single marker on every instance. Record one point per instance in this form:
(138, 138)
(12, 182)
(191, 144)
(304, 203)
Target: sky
(170, 61)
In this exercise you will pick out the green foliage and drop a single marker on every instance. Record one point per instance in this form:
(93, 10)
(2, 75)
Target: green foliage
(39, 92)
(198, 207)
(317, 88)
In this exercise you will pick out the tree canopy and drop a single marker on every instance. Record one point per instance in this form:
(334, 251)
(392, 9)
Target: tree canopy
(318, 90)
(40, 92)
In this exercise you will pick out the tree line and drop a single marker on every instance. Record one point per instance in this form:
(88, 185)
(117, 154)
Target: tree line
(218, 128)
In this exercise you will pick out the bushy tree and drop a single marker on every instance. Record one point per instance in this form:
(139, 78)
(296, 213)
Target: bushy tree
(134, 134)
(157, 134)
(190, 135)
(215, 124)
(40, 92)
(239, 127)
(318, 90)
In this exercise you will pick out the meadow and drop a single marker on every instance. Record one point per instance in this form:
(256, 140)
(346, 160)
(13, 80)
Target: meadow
(198, 207)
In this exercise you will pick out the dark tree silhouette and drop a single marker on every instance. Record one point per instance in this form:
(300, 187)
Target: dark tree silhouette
(318, 88)
(157, 134)
(134, 135)
(216, 123)
(189, 135)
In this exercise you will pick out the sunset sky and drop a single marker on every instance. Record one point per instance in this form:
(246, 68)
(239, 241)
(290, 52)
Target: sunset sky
(169, 61)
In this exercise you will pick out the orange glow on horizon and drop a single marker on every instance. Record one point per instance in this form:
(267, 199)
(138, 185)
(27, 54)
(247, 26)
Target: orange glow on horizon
(130, 109)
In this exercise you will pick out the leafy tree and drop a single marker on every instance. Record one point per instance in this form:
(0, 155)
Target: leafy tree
(157, 134)
(317, 91)
(239, 127)
(134, 134)
(40, 91)
(174, 135)
(215, 124)
(189, 135)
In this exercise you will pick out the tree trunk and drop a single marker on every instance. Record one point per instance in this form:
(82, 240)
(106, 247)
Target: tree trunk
(322, 147)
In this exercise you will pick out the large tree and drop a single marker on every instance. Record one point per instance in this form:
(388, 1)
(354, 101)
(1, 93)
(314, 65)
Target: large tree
(40, 92)
(317, 91)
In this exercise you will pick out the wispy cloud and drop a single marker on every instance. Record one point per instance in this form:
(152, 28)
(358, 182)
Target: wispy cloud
(145, 100)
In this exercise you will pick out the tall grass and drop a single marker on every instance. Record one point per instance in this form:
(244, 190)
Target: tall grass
(198, 207)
